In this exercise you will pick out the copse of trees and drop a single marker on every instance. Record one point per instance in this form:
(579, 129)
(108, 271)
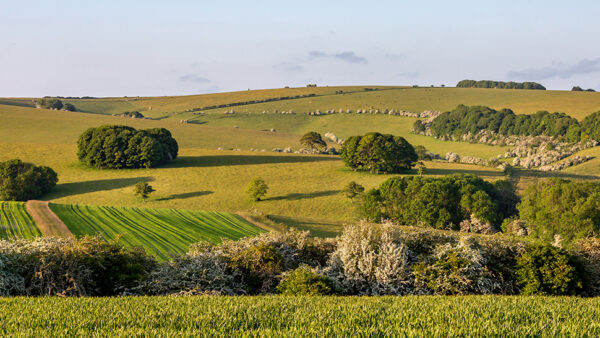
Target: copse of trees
(20, 181)
(499, 84)
(134, 114)
(442, 203)
(579, 89)
(464, 119)
(115, 146)
(378, 153)
(561, 207)
(54, 103)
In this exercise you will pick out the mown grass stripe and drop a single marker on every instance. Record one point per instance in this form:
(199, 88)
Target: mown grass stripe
(15, 222)
(161, 231)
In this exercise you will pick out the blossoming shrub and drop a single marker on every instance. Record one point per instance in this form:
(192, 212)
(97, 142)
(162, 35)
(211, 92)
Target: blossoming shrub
(306, 281)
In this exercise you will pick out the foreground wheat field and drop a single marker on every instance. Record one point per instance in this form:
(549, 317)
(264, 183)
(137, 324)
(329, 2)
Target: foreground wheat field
(430, 316)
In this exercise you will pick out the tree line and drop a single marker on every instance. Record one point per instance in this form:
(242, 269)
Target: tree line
(464, 120)
(499, 84)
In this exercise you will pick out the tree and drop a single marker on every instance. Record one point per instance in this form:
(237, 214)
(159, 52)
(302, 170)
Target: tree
(576, 89)
(143, 190)
(69, 107)
(353, 190)
(257, 189)
(116, 147)
(378, 153)
(21, 181)
(421, 168)
(49, 103)
(313, 141)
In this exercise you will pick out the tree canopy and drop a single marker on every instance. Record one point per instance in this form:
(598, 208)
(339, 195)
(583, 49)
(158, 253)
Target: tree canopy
(313, 141)
(378, 153)
(499, 84)
(114, 146)
(441, 203)
(20, 181)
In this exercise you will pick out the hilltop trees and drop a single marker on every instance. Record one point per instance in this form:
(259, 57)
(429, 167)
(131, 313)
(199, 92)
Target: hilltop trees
(499, 85)
(21, 181)
(114, 146)
(378, 153)
(49, 103)
(313, 141)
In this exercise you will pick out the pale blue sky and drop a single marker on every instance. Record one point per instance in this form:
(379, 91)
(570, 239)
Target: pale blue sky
(116, 48)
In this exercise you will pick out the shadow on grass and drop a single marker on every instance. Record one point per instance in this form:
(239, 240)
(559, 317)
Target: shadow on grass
(76, 188)
(450, 171)
(299, 196)
(317, 228)
(547, 174)
(184, 195)
(229, 160)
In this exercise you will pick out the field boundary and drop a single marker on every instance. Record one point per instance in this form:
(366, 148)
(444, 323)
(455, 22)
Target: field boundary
(47, 221)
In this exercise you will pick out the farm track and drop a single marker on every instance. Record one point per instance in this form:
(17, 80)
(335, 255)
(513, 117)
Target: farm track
(47, 221)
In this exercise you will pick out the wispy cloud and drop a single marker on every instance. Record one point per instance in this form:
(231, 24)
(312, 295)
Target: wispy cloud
(560, 70)
(289, 67)
(394, 57)
(193, 78)
(348, 56)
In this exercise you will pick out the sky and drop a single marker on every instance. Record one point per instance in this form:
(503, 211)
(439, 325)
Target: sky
(150, 48)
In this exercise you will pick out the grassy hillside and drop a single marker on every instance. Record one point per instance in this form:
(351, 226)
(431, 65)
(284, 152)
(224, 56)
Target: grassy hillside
(15, 222)
(160, 231)
(423, 316)
(577, 104)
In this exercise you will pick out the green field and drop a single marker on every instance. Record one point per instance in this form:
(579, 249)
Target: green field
(15, 222)
(304, 190)
(161, 231)
(428, 316)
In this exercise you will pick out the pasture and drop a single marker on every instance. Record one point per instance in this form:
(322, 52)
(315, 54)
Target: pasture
(161, 231)
(431, 316)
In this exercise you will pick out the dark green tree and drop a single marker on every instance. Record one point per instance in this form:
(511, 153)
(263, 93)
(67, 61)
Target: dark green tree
(353, 190)
(378, 153)
(21, 181)
(143, 190)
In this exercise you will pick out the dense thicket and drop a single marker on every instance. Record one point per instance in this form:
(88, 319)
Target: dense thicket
(561, 207)
(50, 103)
(442, 203)
(114, 146)
(21, 181)
(499, 84)
(367, 259)
(135, 114)
(378, 153)
(464, 119)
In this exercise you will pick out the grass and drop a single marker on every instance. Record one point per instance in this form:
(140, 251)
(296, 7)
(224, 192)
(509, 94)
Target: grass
(15, 222)
(422, 316)
(160, 231)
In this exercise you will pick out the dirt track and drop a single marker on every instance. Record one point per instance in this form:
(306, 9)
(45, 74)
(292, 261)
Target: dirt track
(46, 220)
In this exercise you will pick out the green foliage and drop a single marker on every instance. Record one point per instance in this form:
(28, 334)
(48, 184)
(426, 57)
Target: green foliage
(590, 126)
(67, 267)
(561, 207)
(437, 202)
(143, 190)
(499, 85)
(21, 181)
(259, 264)
(576, 89)
(69, 107)
(378, 153)
(464, 120)
(257, 189)
(135, 114)
(547, 270)
(113, 146)
(353, 189)
(49, 103)
(313, 140)
(422, 153)
(305, 281)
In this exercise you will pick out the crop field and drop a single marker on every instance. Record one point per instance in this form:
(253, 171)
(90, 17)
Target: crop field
(160, 231)
(430, 316)
(15, 222)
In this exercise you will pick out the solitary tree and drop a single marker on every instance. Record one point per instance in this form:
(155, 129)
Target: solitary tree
(313, 141)
(421, 168)
(257, 189)
(143, 190)
(353, 190)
